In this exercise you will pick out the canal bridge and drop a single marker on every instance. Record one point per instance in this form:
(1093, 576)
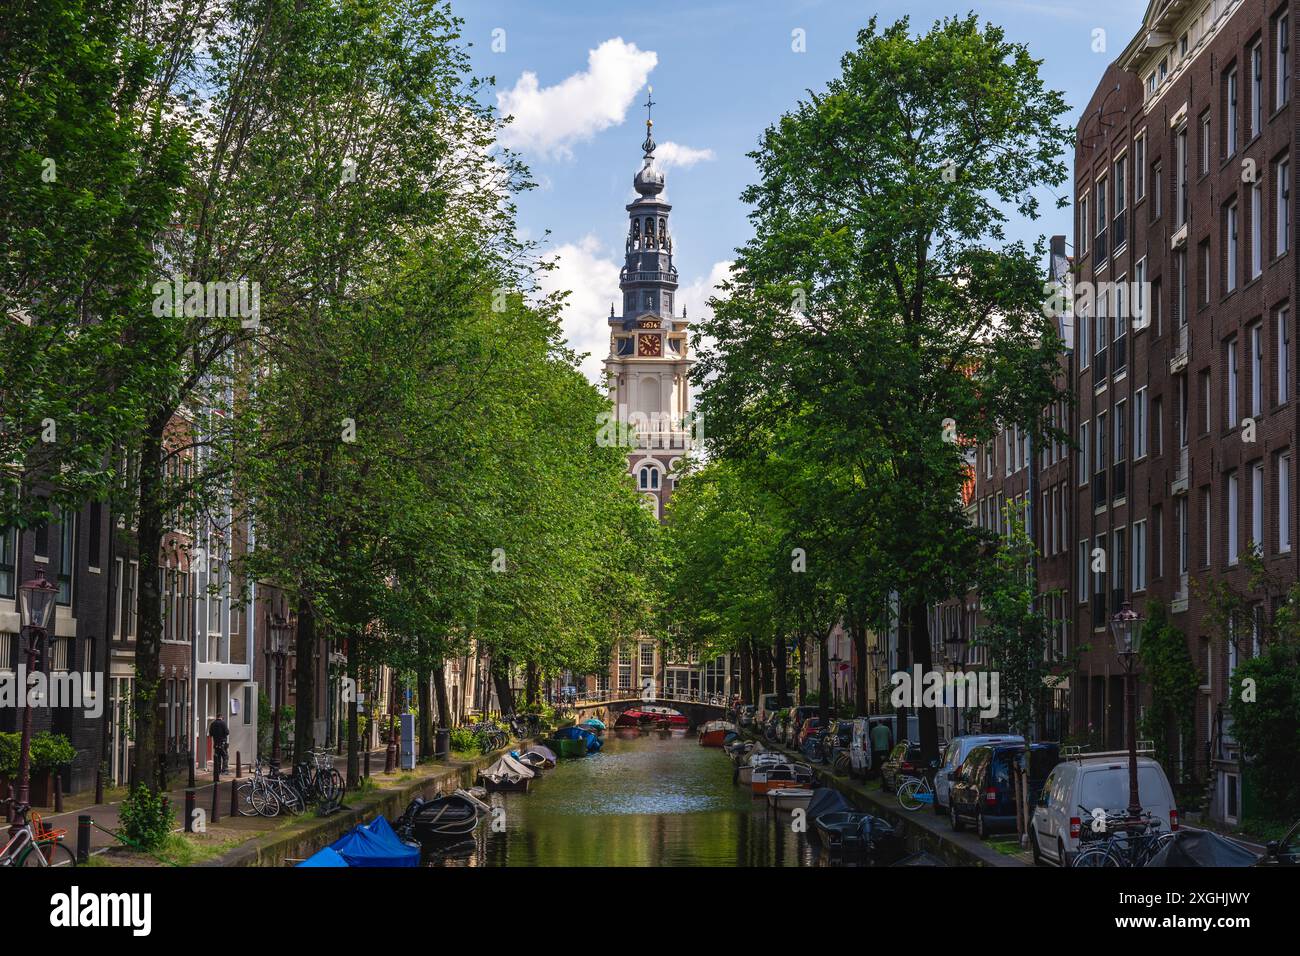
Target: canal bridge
(698, 707)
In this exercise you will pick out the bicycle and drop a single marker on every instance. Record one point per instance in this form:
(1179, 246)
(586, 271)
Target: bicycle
(1122, 842)
(915, 792)
(31, 843)
(317, 781)
(268, 793)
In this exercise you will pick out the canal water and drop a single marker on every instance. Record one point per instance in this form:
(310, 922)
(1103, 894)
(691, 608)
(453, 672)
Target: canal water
(647, 799)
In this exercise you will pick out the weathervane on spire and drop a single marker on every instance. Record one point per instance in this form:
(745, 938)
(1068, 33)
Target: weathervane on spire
(648, 146)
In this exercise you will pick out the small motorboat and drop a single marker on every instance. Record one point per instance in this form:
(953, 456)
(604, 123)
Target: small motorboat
(532, 760)
(595, 725)
(845, 831)
(789, 798)
(546, 753)
(568, 746)
(506, 775)
(665, 716)
(716, 733)
(777, 776)
(588, 739)
(441, 820)
(759, 760)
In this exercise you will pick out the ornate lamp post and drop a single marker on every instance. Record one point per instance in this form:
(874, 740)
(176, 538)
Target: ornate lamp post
(35, 613)
(875, 656)
(1128, 639)
(955, 648)
(278, 631)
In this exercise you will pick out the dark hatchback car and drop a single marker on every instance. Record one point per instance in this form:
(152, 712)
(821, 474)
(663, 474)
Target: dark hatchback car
(1284, 852)
(904, 761)
(982, 791)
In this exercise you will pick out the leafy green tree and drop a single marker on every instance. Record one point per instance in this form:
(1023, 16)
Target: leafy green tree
(1174, 680)
(878, 306)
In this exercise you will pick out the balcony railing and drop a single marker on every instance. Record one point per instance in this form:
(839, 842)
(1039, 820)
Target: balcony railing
(1181, 343)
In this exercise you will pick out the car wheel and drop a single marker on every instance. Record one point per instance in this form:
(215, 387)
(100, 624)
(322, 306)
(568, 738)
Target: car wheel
(952, 816)
(1033, 847)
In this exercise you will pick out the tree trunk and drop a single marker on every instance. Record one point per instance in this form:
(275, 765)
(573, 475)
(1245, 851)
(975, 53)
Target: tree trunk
(824, 680)
(423, 681)
(531, 683)
(150, 743)
(928, 718)
(354, 744)
(501, 678)
(304, 704)
(746, 681)
(446, 719)
(756, 670)
(860, 666)
(782, 683)
(765, 658)
(803, 669)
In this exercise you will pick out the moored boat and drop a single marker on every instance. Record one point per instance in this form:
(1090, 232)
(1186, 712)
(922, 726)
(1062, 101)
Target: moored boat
(777, 776)
(442, 819)
(789, 798)
(716, 733)
(507, 774)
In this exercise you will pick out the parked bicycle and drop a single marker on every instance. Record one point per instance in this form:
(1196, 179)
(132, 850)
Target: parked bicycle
(316, 780)
(268, 793)
(1120, 841)
(31, 843)
(491, 736)
(916, 792)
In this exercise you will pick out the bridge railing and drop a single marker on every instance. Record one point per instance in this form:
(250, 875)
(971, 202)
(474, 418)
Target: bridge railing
(675, 695)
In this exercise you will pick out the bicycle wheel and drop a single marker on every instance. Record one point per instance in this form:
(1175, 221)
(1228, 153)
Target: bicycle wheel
(291, 800)
(244, 804)
(1095, 856)
(913, 794)
(265, 801)
(48, 854)
(329, 786)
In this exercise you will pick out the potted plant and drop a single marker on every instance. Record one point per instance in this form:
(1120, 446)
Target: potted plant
(50, 754)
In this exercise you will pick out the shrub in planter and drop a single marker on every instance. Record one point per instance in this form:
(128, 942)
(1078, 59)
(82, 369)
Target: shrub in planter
(145, 818)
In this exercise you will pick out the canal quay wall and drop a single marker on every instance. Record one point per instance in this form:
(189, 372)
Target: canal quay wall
(922, 830)
(305, 835)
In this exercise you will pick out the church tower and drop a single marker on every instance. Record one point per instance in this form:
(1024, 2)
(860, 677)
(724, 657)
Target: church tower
(648, 351)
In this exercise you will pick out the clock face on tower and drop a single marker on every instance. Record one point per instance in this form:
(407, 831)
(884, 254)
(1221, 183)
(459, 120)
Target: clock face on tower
(650, 346)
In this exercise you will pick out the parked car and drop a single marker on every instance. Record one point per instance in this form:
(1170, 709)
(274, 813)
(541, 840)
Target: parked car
(957, 750)
(1284, 852)
(768, 704)
(1082, 783)
(810, 727)
(839, 736)
(904, 760)
(745, 716)
(983, 790)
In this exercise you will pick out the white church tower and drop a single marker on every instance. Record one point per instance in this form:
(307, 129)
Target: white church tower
(648, 350)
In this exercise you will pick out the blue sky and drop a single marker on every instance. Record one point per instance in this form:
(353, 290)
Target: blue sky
(575, 72)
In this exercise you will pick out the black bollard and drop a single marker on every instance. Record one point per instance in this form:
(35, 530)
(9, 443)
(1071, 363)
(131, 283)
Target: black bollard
(189, 810)
(234, 799)
(367, 773)
(239, 768)
(216, 790)
(442, 744)
(83, 838)
(58, 792)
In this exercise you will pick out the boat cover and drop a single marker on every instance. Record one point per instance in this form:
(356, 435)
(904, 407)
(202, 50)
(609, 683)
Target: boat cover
(508, 769)
(579, 733)
(1203, 848)
(375, 844)
(325, 857)
(826, 800)
(595, 722)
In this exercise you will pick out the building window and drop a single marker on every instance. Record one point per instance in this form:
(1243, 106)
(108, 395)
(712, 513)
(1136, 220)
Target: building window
(1140, 167)
(1284, 503)
(1180, 195)
(1256, 90)
(1230, 122)
(1204, 163)
(1084, 472)
(1157, 191)
(1184, 548)
(648, 478)
(1139, 556)
(1099, 195)
(1230, 248)
(1121, 203)
(1140, 424)
(1282, 62)
(1082, 330)
(1257, 508)
(1256, 229)
(8, 562)
(1283, 355)
(1231, 385)
(67, 554)
(1203, 271)
(1205, 527)
(1234, 502)
(1256, 370)
(1282, 214)
(1085, 224)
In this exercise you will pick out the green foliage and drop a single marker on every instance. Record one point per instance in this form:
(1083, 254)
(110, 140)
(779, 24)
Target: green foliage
(1264, 702)
(145, 818)
(464, 740)
(49, 751)
(1174, 681)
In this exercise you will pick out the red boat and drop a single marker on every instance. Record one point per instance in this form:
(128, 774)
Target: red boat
(651, 716)
(715, 733)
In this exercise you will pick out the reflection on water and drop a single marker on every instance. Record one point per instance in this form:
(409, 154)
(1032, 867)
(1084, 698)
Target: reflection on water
(647, 799)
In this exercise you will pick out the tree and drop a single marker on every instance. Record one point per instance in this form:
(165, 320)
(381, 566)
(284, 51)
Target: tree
(878, 304)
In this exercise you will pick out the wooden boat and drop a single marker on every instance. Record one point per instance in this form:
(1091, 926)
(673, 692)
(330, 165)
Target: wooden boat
(789, 798)
(533, 761)
(665, 716)
(844, 831)
(764, 758)
(780, 775)
(547, 755)
(714, 733)
(507, 775)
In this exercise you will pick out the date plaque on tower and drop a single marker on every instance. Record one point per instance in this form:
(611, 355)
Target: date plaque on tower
(648, 324)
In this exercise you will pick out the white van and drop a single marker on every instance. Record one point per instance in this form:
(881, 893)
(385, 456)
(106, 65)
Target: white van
(1082, 783)
(955, 753)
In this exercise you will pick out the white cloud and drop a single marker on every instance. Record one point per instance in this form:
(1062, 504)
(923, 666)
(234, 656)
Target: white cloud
(696, 295)
(675, 154)
(591, 276)
(549, 120)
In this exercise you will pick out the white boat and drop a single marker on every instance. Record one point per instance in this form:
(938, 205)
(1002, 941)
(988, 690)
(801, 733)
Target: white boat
(789, 798)
(507, 774)
(759, 760)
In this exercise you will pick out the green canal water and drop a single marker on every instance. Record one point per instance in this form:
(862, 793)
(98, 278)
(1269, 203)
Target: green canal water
(647, 799)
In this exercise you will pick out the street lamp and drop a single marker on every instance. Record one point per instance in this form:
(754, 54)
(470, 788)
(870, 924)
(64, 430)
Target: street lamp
(955, 648)
(875, 657)
(35, 612)
(279, 630)
(835, 661)
(1128, 641)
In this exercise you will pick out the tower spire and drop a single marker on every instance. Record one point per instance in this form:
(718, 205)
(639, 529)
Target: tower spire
(648, 147)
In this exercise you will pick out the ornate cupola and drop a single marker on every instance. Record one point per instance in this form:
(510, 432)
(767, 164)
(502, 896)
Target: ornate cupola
(648, 278)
